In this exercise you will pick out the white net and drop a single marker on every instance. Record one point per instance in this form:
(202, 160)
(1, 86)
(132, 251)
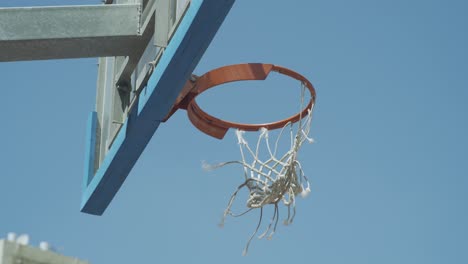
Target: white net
(269, 178)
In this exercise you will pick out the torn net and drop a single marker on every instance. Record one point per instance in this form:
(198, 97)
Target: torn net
(275, 180)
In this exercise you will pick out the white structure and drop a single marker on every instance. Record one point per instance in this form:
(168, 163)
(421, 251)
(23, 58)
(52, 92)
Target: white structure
(15, 250)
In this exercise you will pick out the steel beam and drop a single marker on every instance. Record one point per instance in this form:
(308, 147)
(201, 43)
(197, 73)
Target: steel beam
(126, 68)
(35, 33)
(162, 24)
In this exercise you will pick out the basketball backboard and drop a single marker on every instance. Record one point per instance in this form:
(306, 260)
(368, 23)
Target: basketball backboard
(136, 92)
(147, 51)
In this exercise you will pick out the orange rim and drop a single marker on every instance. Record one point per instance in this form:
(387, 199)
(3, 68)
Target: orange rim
(240, 72)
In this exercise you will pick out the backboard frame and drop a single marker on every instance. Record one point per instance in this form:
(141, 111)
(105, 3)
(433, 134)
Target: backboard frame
(187, 45)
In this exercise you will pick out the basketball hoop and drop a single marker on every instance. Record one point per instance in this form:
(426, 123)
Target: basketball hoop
(272, 180)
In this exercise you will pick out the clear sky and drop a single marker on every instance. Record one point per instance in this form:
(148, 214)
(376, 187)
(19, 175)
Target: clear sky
(389, 168)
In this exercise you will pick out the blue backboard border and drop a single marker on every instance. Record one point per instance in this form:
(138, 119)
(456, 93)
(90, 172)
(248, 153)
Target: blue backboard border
(193, 36)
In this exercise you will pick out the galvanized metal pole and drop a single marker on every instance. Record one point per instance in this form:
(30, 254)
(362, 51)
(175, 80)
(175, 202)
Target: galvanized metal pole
(38, 33)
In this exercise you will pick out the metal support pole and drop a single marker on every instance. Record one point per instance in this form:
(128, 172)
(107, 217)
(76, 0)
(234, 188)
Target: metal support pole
(38, 33)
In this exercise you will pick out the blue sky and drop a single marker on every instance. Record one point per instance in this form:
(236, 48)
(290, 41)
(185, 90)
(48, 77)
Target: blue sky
(389, 168)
